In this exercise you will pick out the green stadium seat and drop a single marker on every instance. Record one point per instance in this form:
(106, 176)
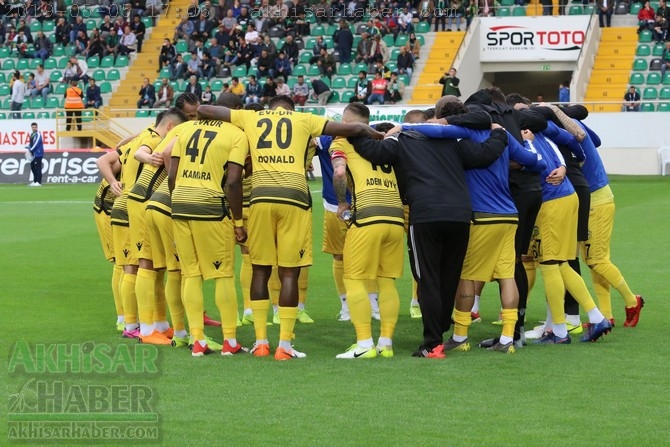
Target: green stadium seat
(305, 56)
(326, 81)
(182, 46)
(3, 78)
(664, 93)
(59, 90)
(48, 26)
(52, 102)
(346, 96)
(70, 50)
(344, 70)
(663, 107)
(334, 97)
(6, 103)
(401, 40)
(93, 62)
(59, 114)
(113, 75)
(22, 64)
(339, 82)
(328, 41)
(58, 51)
(3, 116)
(157, 84)
(55, 76)
(87, 116)
(331, 29)
(122, 61)
(636, 79)
(148, 22)
(28, 115)
(588, 10)
(351, 83)
(187, 58)
(99, 75)
(318, 30)
(519, 11)
(575, 10)
(654, 78)
(503, 12)
(8, 64)
(50, 64)
(313, 70)
(62, 62)
(37, 103)
(640, 65)
(4, 52)
(240, 71)
(299, 70)
(389, 40)
(42, 115)
(34, 63)
(645, 35)
(360, 67)
(643, 50)
(164, 73)
(658, 50)
(648, 107)
(357, 40)
(666, 79)
(650, 93)
(142, 113)
(634, 8)
(107, 62)
(5, 90)
(217, 85)
(35, 26)
(291, 81)
(105, 87)
(90, 24)
(422, 27)
(507, 3)
(404, 79)
(52, 38)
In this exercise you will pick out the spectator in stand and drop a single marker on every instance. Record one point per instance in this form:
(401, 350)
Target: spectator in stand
(440, 13)
(78, 25)
(300, 91)
(660, 31)
(646, 17)
(18, 95)
(42, 84)
(96, 46)
(265, 65)
(73, 106)
(379, 51)
(344, 41)
(316, 50)
(253, 91)
(81, 43)
(456, 13)
(194, 87)
(147, 95)
(244, 53)
(184, 30)
(164, 95)
(81, 69)
(168, 54)
(283, 66)
(395, 89)
(127, 44)
(413, 46)
(69, 72)
(269, 45)
(292, 50)
(202, 28)
(207, 97)
(665, 59)
(321, 91)
(139, 29)
(663, 10)
(450, 83)
(631, 100)
(153, 9)
(487, 8)
(262, 16)
(363, 88)
(93, 95)
(564, 92)
(229, 22)
(254, 40)
(243, 19)
(299, 16)
(177, 68)
(405, 62)
(282, 88)
(405, 21)
(269, 90)
(193, 66)
(364, 49)
(106, 29)
(321, 12)
(230, 55)
(236, 87)
(208, 66)
(383, 69)
(210, 10)
(216, 51)
(326, 63)
(605, 11)
(30, 85)
(425, 11)
(379, 85)
(278, 14)
(43, 47)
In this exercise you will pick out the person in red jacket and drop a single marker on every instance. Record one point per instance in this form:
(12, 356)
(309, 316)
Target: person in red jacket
(646, 17)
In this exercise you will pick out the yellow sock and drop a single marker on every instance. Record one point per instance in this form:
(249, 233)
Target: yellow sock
(274, 287)
(462, 321)
(129, 298)
(303, 280)
(338, 271)
(415, 288)
(226, 300)
(245, 280)
(174, 302)
(371, 286)
(145, 291)
(614, 277)
(554, 289)
(577, 287)
(389, 306)
(531, 272)
(160, 311)
(602, 290)
(194, 305)
(359, 307)
(509, 317)
(287, 316)
(260, 309)
(117, 275)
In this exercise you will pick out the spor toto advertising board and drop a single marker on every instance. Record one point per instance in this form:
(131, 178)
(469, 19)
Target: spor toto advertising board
(74, 166)
(519, 39)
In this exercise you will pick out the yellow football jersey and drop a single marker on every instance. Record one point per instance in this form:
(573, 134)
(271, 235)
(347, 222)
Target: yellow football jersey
(278, 141)
(203, 150)
(374, 189)
(104, 199)
(130, 167)
(160, 200)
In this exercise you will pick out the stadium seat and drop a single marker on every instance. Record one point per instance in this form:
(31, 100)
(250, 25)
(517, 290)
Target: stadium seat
(107, 62)
(339, 82)
(422, 27)
(404, 79)
(588, 10)
(50, 64)
(519, 11)
(142, 113)
(182, 47)
(507, 3)
(6, 103)
(648, 107)
(52, 103)
(664, 93)
(640, 65)
(55, 76)
(3, 78)
(503, 12)
(394, 54)
(655, 64)
(42, 115)
(93, 62)
(35, 26)
(61, 62)
(643, 50)
(636, 79)
(392, 66)
(326, 81)
(653, 78)
(34, 63)
(148, 22)
(48, 26)
(59, 91)
(309, 43)
(164, 73)
(331, 29)
(389, 40)
(5, 90)
(351, 83)
(318, 30)
(360, 67)
(645, 35)
(401, 40)
(4, 52)
(658, 50)
(58, 51)
(3, 116)
(344, 70)
(346, 96)
(240, 71)
(635, 8)
(37, 103)
(22, 64)
(99, 75)
(122, 61)
(217, 85)
(305, 56)
(113, 75)
(621, 8)
(650, 93)
(299, 70)
(87, 116)
(663, 107)
(28, 115)
(9, 64)
(313, 70)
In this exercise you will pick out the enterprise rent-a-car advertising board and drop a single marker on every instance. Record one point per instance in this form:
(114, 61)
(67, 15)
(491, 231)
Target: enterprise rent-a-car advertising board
(74, 166)
(520, 39)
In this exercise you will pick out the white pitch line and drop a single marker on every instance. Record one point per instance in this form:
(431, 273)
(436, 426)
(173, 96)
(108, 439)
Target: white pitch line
(42, 202)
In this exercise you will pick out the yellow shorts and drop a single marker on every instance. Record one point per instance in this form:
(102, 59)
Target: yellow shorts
(556, 232)
(245, 219)
(280, 234)
(601, 223)
(374, 251)
(102, 222)
(205, 247)
(334, 232)
(161, 235)
(406, 211)
(139, 236)
(123, 255)
(491, 252)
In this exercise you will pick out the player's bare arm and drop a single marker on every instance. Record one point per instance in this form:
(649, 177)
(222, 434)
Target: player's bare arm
(127, 140)
(145, 155)
(567, 122)
(340, 184)
(109, 165)
(172, 173)
(214, 113)
(234, 197)
(336, 129)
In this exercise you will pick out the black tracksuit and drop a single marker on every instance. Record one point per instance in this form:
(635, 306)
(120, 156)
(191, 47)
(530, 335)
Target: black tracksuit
(433, 184)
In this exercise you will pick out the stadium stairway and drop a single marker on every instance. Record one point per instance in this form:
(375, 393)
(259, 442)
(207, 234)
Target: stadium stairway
(443, 50)
(96, 125)
(612, 68)
(145, 64)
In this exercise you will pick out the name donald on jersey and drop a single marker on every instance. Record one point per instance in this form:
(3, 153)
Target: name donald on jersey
(276, 159)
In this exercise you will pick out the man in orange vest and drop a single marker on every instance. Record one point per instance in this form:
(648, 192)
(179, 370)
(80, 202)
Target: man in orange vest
(73, 105)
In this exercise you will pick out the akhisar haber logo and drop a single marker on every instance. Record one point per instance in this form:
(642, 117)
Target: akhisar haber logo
(521, 36)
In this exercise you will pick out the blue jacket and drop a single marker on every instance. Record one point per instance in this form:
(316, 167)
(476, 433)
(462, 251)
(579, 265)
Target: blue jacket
(323, 151)
(553, 157)
(593, 168)
(36, 146)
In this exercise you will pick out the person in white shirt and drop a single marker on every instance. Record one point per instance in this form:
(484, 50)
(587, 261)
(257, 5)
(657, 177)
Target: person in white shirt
(18, 95)
(127, 43)
(405, 19)
(42, 84)
(81, 68)
(282, 88)
(164, 95)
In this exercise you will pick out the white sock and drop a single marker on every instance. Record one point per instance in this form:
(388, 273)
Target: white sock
(384, 341)
(366, 344)
(595, 316)
(561, 330)
(286, 345)
(549, 322)
(275, 308)
(161, 326)
(572, 320)
(414, 302)
(146, 329)
(132, 327)
(262, 342)
(120, 319)
(475, 307)
(231, 341)
(203, 343)
(373, 302)
(343, 298)
(248, 312)
(301, 306)
(459, 338)
(504, 339)
(180, 334)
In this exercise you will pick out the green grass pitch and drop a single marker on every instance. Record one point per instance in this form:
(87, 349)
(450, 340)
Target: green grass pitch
(55, 289)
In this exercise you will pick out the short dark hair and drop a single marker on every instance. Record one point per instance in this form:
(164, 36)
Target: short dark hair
(358, 109)
(173, 112)
(254, 106)
(365, 73)
(384, 127)
(33, 124)
(496, 93)
(230, 100)
(430, 113)
(515, 98)
(186, 98)
(235, 78)
(451, 108)
(283, 101)
(415, 116)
